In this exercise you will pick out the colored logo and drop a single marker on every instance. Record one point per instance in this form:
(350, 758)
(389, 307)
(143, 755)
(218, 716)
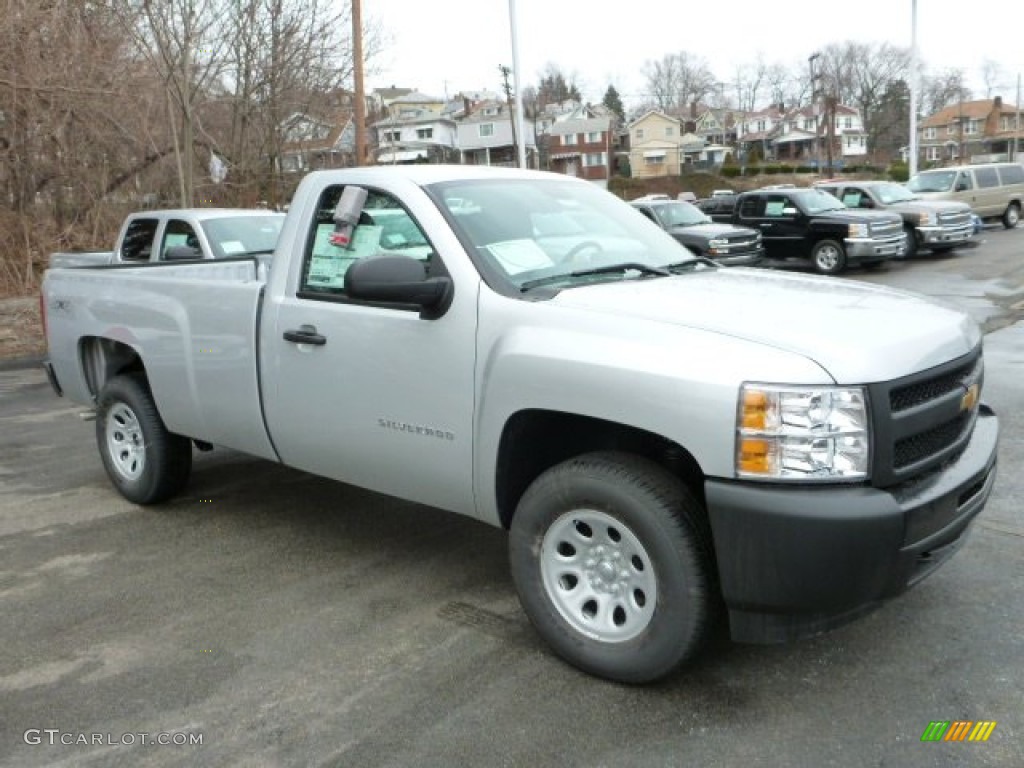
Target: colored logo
(970, 398)
(958, 730)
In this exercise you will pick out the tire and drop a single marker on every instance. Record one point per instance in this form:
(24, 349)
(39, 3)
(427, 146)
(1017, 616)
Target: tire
(1011, 216)
(828, 257)
(579, 522)
(912, 244)
(146, 463)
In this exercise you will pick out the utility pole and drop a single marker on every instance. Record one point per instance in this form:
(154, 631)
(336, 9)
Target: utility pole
(830, 129)
(357, 75)
(1016, 128)
(516, 69)
(507, 88)
(814, 108)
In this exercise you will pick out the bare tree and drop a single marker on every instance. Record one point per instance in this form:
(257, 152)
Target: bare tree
(944, 89)
(178, 39)
(993, 76)
(678, 79)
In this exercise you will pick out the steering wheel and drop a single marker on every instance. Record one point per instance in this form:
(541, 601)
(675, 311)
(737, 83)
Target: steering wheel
(572, 255)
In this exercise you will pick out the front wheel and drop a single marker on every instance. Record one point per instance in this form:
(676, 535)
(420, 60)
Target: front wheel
(829, 257)
(146, 463)
(611, 556)
(1011, 217)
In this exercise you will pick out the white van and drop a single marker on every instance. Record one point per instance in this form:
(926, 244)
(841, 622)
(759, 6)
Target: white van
(993, 190)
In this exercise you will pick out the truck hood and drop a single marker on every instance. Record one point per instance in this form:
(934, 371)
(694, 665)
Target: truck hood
(933, 206)
(858, 332)
(857, 215)
(712, 230)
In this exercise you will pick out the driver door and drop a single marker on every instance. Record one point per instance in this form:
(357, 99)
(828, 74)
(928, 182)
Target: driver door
(369, 393)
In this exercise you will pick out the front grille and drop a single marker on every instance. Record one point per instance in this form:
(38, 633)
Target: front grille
(744, 241)
(924, 419)
(886, 228)
(923, 445)
(954, 219)
(921, 392)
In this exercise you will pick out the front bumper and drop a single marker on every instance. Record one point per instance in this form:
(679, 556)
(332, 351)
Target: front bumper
(796, 561)
(750, 258)
(875, 249)
(946, 236)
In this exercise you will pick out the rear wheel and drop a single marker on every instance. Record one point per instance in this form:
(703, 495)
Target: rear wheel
(1011, 217)
(611, 556)
(829, 257)
(146, 463)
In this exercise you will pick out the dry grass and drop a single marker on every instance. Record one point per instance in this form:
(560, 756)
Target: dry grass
(21, 330)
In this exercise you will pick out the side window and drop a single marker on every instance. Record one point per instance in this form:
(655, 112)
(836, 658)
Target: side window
(1011, 174)
(179, 233)
(775, 206)
(384, 227)
(751, 208)
(646, 212)
(137, 244)
(986, 177)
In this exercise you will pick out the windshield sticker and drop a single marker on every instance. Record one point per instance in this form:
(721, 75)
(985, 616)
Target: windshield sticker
(517, 256)
(231, 247)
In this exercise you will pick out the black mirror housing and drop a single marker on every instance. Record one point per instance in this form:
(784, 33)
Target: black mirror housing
(398, 280)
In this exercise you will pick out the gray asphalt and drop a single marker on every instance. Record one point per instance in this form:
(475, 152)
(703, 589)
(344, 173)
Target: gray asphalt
(291, 621)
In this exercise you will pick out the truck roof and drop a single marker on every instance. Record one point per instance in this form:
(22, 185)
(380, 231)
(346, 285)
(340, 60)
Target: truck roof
(201, 214)
(430, 174)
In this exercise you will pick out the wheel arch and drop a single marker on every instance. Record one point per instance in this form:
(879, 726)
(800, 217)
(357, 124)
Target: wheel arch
(101, 359)
(535, 440)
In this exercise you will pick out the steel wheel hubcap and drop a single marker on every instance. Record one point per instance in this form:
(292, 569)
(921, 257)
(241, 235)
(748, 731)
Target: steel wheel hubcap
(126, 445)
(598, 576)
(828, 257)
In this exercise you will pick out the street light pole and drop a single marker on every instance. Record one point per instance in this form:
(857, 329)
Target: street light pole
(515, 79)
(912, 167)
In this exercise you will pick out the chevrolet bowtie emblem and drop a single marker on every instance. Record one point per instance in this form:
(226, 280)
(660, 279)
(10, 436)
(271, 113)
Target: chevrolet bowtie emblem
(970, 398)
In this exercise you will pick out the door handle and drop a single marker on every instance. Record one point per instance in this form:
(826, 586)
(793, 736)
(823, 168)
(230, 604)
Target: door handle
(764, 225)
(306, 334)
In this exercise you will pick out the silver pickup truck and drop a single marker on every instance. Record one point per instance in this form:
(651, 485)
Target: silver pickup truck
(184, 234)
(670, 444)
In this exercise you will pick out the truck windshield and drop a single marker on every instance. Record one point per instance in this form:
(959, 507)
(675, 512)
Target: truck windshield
(534, 231)
(241, 235)
(679, 214)
(893, 193)
(817, 201)
(932, 181)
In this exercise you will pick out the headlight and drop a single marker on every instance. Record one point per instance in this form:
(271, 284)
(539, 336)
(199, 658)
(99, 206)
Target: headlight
(860, 230)
(927, 219)
(802, 433)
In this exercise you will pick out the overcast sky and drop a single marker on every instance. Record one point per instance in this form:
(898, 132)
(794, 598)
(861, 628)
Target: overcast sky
(451, 45)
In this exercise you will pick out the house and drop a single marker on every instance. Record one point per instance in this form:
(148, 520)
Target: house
(426, 137)
(413, 104)
(979, 131)
(655, 145)
(311, 142)
(581, 146)
(485, 136)
(814, 134)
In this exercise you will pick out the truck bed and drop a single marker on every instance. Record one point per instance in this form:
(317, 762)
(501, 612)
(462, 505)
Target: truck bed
(193, 323)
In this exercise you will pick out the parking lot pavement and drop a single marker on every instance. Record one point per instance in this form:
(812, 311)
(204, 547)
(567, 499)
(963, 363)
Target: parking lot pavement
(287, 620)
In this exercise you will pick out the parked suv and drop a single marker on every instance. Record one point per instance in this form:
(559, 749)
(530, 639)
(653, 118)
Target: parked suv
(812, 224)
(719, 206)
(939, 225)
(726, 244)
(993, 190)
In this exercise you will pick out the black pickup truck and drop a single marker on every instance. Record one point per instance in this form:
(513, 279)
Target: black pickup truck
(726, 244)
(813, 225)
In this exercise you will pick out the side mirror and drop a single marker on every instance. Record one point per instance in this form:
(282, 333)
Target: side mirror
(961, 186)
(399, 280)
